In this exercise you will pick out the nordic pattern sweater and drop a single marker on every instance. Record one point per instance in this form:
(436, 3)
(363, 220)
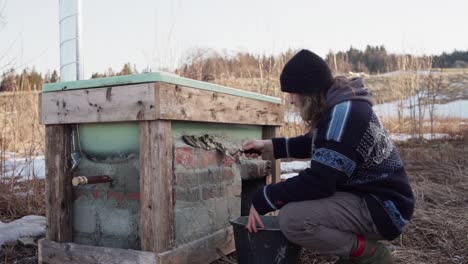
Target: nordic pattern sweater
(352, 152)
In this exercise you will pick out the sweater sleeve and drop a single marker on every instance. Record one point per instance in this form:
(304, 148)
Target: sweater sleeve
(295, 147)
(333, 161)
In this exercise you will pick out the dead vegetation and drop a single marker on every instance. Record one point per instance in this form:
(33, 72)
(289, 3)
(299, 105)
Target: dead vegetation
(20, 129)
(21, 134)
(18, 254)
(18, 199)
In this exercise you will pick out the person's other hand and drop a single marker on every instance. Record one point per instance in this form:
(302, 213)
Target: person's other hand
(254, 219)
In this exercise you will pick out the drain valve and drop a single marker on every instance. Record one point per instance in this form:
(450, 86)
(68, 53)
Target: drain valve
(83, 180)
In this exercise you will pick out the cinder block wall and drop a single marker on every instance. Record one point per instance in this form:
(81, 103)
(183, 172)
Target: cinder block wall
(207, 191)
(108, 215)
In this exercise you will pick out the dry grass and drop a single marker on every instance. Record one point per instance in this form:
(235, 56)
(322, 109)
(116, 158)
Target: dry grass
(20, 133)
(439, 177)
(18, 254)
(451, 126)
(20, 130)
(18, 199)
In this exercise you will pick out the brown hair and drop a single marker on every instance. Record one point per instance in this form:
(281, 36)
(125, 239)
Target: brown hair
(310, 108)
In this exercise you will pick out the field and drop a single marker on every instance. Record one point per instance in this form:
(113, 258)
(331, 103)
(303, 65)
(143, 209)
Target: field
(438, 171)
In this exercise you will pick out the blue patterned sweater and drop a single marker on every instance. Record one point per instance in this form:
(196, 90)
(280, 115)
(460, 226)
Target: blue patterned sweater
(352, 152)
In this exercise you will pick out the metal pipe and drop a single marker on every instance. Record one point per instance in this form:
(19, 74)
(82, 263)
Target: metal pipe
(71, 68)
(84, 180)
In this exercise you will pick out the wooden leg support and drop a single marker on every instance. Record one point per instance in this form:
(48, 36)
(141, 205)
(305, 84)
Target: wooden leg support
(58, 183)
(157, 203)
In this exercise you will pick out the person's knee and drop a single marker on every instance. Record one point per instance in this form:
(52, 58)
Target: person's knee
(299, 226)
(290, 223)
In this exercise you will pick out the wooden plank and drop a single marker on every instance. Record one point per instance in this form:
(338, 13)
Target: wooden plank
(110, 104)
(58, 182)
(157, 203)
(153, 77)
(267, 133)
(58, 253)
(185, 103)
(201, 251)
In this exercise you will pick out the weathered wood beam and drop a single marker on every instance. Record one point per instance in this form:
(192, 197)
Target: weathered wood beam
(58, 182)
(109, 104)
(153, 101)
(58, 253)
(267, 133)
(201, 251)
(185, 103)
(156, 181)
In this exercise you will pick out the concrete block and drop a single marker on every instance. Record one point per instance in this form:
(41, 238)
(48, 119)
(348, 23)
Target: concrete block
(191, 194)
(213, 191)
(84, 216)
(191, 223)
(186, 179)
(234, 207)
(115, 221)
(218, 211)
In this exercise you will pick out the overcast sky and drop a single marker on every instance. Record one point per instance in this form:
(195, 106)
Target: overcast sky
(154, 33)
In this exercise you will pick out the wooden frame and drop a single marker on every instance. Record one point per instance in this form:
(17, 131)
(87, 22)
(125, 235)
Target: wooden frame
(267, 133)
(58, 183)
(154, 105)
(51, 252)
(154, 101)
(157, 203)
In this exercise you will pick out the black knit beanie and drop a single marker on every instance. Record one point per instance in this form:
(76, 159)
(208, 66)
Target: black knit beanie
(306, 73)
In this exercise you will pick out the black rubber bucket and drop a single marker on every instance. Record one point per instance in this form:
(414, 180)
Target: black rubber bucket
(267, 246)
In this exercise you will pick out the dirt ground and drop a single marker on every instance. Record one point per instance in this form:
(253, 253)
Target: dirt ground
(438, 232)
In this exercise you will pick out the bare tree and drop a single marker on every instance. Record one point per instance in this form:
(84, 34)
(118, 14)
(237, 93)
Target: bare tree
(413, 90)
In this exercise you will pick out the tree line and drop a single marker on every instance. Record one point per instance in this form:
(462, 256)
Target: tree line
(209, 65)
(31, 80)
(376, 59)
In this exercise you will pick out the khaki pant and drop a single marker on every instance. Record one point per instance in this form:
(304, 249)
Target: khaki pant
(328, 225)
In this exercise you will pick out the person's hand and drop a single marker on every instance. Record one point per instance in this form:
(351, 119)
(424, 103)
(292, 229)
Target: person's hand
(254, 218)
(260, 145)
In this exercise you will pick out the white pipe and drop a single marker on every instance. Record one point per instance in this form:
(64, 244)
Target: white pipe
(71, 68)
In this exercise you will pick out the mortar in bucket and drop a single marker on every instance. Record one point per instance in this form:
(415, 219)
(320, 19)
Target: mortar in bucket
(267, 246)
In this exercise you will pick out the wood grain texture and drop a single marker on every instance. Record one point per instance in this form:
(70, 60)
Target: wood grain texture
(269, 132)
(201, 251)
(110, 104)
(185, 103)
(58, 253)
(58, 182)
(156, 181)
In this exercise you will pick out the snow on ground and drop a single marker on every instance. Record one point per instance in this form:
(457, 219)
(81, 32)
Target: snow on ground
(27, 226)
(23, 168)
(291, 169)
(294, 166)
(458, 108)
(288, 175)
(428, 136)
